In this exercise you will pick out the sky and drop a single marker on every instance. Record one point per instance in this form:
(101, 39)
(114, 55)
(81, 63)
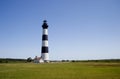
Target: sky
(78, 29)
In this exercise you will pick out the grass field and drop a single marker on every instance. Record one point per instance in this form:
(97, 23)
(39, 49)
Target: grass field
(84, 70)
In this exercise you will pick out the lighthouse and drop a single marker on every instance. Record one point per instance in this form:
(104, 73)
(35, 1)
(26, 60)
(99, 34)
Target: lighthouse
(44, 48)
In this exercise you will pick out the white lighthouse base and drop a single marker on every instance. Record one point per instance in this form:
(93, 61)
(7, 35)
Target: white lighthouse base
(45, 57)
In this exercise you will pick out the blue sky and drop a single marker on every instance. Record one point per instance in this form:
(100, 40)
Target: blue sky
(78, 29)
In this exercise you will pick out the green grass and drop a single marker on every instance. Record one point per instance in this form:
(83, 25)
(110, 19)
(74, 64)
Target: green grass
(88, 70)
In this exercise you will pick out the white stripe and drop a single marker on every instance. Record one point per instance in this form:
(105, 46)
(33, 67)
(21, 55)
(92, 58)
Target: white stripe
(45, 43)
(45, 56)
(45, 31)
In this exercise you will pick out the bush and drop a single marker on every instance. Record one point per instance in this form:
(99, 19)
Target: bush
(29, 59)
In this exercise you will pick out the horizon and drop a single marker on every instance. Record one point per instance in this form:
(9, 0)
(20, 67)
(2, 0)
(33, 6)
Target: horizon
(61, 59)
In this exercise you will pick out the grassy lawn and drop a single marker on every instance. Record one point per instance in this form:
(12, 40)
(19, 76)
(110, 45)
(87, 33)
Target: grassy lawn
(88, 70)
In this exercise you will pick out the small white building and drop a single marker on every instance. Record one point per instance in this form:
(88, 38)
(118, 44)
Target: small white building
(38, 60)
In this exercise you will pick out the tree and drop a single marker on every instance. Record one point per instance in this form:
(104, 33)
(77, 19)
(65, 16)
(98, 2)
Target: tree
(29, 59)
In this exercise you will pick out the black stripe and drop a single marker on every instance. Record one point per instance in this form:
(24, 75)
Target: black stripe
(44, 50)
(45, 37)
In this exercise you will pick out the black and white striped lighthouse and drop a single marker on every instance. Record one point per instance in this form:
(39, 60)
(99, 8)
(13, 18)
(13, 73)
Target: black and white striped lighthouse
(44, 49)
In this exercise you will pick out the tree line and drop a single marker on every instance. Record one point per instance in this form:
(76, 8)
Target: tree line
(29, 59)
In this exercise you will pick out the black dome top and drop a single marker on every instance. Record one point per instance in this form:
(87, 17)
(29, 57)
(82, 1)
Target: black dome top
(45, 26)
